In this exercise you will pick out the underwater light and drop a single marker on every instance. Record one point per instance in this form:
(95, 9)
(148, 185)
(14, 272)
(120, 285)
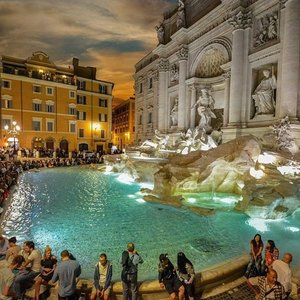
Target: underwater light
(259, 224)
(191, 200)
(293, 229)
(140, 200)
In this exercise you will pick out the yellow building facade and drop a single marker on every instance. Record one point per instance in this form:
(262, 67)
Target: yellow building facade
(56, 107)
(124, 124)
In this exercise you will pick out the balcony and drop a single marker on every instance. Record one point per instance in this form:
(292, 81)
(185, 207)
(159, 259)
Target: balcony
(70, 80)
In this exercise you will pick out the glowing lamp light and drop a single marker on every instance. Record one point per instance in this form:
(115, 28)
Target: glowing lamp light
(266, 158)
(258, 174)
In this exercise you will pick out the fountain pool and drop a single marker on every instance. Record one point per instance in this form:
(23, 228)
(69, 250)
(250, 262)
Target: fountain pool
(89, 212)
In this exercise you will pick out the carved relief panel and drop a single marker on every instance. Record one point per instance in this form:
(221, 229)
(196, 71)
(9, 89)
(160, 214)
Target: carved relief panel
(266, 29)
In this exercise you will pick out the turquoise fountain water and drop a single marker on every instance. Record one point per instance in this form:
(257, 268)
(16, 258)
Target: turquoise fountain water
(89, 212)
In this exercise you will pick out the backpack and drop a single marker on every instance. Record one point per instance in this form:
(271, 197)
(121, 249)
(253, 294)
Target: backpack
(128, 266)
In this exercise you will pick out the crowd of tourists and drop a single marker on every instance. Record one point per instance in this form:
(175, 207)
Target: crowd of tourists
(271, 276)
(22, 268)
(26, 267)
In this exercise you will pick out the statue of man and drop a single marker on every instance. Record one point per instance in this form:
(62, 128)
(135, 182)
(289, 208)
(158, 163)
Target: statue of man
(263, 95)
(205, 105)
(174, 113)
(160, 30)
(180, 15)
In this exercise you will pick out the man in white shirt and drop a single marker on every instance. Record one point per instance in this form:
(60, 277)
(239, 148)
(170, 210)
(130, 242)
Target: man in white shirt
(284, 273)
(28, 274)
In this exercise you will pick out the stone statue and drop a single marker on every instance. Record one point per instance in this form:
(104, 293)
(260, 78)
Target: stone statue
(174, 113)
(162, 139)
(205, 105)
(160, 30)
(272, 28)
(180, 15)
(174, 73)
(263, 95)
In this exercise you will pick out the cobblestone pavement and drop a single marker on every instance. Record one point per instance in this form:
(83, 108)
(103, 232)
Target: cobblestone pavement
(241, 292)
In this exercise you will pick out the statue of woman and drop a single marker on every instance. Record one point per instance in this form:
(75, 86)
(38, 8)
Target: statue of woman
(174, 113)
(205, 105)
(263, 95)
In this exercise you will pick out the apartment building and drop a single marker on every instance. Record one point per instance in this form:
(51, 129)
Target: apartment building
(56, 107)
(124, 123)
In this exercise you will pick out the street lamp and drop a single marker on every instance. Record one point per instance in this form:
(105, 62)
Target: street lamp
(14, 131)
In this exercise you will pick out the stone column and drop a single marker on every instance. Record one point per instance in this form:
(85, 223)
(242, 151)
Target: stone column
(290, 65)
(240, 22)
(226, 77)
(182, 55)
(163, 67)
(193, 108)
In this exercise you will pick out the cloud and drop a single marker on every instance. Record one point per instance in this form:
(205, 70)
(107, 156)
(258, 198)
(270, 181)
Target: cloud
(104, 30)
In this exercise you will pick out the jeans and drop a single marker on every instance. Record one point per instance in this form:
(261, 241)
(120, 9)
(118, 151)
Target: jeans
(21, 281)
(257, 264)
(131, 284)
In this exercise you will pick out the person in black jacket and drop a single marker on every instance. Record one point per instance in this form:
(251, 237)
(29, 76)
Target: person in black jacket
(168, 278)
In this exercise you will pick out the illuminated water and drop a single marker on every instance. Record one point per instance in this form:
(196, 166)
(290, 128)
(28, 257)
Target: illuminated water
(89, 213)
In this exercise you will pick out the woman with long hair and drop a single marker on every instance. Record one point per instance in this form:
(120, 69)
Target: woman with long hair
(271, 254)
(48, 264)
(256, 248)
(186, 274)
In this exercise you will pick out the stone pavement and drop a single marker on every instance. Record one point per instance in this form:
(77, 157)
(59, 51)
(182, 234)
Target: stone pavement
(241, 292)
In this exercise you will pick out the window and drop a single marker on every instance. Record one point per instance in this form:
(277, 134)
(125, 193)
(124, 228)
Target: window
(140, 119)
(140, 88)
(102, 117)
(103, 102)
(6, 84)
(81, 99)
(72, 126)
(49, 90)
(7, 102)
(81, 115)
(150, 83)
(150, 117)
(36, 125)
(49, 106)
(102, 133)
(36, 106)
(102, 89)
(50, 125)
(81, 85)
(36, 89)
(72, 111)
(72, 94)
(81, 132)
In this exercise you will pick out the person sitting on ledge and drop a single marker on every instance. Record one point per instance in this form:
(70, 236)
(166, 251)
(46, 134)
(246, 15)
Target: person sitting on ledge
(168, 278)
(269, 287)
(256, 248)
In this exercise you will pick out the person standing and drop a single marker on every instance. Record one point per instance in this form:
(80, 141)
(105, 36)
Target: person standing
(3, 246)
(130, 260)
(282, 267)
(66, 272)
(102, 278)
